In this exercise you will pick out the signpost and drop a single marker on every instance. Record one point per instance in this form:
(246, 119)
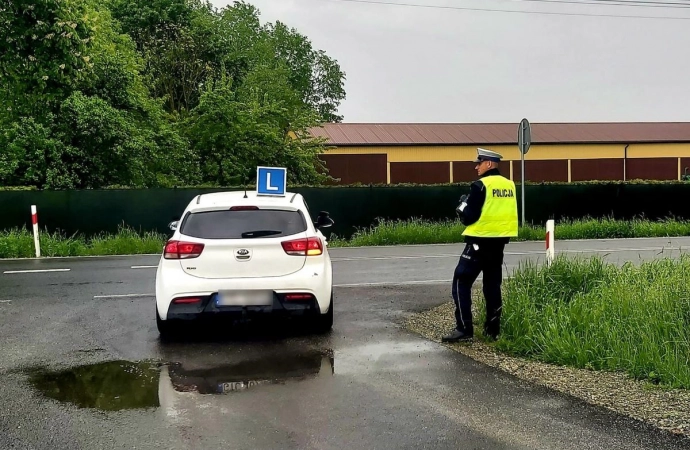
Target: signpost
(271, 181)
(524, 142)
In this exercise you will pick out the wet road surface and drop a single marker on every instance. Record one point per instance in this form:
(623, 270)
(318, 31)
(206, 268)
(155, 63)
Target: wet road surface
(83, 368)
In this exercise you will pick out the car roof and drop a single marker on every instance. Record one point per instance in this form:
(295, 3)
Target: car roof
(233, 198)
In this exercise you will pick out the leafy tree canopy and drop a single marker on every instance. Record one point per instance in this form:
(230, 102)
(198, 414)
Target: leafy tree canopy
(157, 93)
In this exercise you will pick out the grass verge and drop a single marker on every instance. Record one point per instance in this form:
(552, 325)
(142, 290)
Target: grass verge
(18, 243)
(589, 314)
(417, 231)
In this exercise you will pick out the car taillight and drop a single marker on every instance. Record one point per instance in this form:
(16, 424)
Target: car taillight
(182, 250)
(303, 247)
(298, 297)
(186, 300)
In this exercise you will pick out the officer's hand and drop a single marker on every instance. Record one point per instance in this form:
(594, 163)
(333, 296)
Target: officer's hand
(462, 205)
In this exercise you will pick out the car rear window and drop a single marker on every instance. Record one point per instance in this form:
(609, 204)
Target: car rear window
(261, 223)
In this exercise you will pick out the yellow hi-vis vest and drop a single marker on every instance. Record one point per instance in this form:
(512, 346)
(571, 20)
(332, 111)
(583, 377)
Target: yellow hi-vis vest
(499, 217)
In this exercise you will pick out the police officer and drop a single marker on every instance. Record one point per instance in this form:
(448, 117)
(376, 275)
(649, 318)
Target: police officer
(491, 219)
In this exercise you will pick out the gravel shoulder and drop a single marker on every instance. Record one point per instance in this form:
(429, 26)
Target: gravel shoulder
(666, 409)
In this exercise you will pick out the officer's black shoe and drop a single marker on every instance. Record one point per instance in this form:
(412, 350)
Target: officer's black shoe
(457, 335)
(491, 332)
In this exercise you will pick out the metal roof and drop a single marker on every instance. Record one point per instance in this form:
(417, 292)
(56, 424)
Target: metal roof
(360, 134)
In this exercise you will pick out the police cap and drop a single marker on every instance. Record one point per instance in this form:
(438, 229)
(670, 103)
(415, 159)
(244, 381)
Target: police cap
(487, 155)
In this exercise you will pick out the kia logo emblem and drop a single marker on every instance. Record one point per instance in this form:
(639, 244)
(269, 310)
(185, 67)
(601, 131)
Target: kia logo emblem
(243, 252)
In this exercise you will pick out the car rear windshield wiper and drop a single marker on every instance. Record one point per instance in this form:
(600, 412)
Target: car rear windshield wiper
(259, 233)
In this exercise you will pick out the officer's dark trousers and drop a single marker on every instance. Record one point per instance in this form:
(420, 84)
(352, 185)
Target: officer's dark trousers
(486, 258)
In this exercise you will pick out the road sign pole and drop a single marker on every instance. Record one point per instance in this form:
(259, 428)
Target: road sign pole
(522, 186)
(524, 142)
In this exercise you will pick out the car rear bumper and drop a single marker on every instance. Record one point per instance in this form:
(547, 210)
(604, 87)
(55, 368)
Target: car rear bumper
(315, 278)
(208, 308)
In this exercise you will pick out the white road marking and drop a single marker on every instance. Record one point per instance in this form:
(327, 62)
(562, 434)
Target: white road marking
(532, 241)
(124, 296)
(618, 250)
(377, 258)
(5, 301)
(36, 271)
(393, 283)
(515, 253)
(144, 267)
(374, 258)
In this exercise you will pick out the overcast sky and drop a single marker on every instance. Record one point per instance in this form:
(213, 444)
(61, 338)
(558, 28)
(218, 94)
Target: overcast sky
(412, 64)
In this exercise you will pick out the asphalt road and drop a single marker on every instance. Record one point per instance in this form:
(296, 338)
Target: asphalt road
(367, 384)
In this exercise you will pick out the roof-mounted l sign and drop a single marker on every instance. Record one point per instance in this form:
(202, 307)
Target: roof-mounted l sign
(271, 181)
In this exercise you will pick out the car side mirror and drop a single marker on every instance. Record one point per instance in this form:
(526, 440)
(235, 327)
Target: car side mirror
(173, 225)
(324, 220)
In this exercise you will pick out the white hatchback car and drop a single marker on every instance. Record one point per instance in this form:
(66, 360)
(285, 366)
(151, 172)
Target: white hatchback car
(238, 252)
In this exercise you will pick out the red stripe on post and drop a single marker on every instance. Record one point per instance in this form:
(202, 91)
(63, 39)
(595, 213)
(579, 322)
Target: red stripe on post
(34, 219)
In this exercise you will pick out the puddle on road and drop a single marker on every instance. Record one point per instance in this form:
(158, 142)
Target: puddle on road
(108, 386)
(121, 385)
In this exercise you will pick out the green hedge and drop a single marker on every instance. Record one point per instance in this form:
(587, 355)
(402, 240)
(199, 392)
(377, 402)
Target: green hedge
(383, 185)
(352, 207)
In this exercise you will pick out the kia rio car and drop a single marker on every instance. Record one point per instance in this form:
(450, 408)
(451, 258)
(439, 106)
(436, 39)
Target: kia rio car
(239, 252)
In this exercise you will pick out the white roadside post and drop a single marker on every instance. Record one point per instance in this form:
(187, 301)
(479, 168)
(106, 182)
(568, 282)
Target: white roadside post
(550, 250)
(34, 221)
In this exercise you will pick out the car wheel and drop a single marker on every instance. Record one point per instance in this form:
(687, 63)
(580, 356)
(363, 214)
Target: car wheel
(166, 329)
(324, 322)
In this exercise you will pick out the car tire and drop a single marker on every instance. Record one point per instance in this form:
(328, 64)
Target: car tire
(166, 329)
(324, 322)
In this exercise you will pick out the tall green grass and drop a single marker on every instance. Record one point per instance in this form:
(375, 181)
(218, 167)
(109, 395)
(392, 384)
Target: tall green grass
(590, 314)
(19, 243)
(418, 231)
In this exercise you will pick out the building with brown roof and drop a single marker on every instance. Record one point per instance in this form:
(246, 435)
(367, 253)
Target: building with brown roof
(566, 152)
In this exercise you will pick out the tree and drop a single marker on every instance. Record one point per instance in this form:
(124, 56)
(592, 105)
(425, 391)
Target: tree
(174, 92)
(144, 20)
(43, 53)
(173, 38)
(313, 74)
(30, 156)
(234, 133)
(186, 43)
(96, 128)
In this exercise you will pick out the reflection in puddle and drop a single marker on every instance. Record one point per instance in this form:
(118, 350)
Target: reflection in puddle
(278, 369)
(109, 386)
(118, 385)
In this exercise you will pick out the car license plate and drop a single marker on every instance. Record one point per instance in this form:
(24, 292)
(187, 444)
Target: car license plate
(245, 298)
(236, 386)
